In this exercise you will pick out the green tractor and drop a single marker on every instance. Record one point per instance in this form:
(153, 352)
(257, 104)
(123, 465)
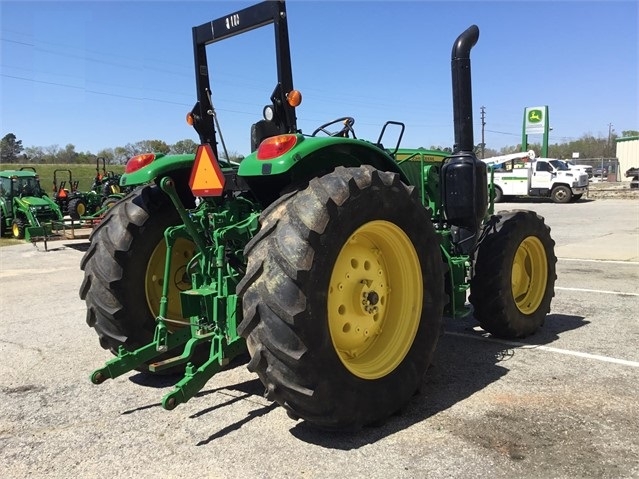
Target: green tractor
(66, 192)
(25, 209)
(329, 258)
(104, 193)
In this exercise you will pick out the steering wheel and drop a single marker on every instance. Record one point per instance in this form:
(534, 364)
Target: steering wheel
(347, 121)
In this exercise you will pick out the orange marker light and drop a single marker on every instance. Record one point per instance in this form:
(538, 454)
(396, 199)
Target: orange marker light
(190, 120)
(294, 98)
(138, 162)
(275, 146)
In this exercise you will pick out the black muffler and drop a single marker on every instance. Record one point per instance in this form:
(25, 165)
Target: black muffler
(463, 177)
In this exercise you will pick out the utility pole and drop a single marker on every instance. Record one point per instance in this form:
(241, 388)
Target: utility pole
(483, 124)
(609, 138)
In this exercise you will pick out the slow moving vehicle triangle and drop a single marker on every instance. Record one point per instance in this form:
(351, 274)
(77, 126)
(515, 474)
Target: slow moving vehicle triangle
(207, 178)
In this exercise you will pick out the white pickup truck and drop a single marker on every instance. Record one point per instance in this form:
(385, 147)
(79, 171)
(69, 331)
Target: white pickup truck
(522, 174)
(582, 168)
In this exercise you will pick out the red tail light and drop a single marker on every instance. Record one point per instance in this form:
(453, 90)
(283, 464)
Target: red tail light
(275, 146)
(138, 162)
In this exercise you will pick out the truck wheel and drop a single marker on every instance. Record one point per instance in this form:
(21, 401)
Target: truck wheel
(514, 274)
(499, 195)
(561, 194)
(343, 298)
(77, 208)
(124, 270)
(17, 228)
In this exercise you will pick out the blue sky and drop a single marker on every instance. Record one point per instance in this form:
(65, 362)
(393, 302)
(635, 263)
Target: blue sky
(103, 74)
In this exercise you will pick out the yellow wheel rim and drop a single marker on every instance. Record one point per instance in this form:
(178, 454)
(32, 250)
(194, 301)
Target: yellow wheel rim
(529, 275)
(15, 229)
(81, 209)
(182, 252)
(375, 299)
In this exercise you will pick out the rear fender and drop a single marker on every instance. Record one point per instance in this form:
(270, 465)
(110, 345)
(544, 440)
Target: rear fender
(311, 157)
(161, 166)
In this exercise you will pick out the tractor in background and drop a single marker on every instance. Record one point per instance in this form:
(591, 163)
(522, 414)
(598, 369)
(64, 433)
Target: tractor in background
(105, 192)
(64, 190)
(329, 258)
(25, 209)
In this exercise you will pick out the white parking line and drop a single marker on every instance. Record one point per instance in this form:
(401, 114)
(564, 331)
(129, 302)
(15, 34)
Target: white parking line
(611, 261)
(619, 293)
(567, 352)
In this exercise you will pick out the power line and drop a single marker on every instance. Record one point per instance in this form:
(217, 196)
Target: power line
(503, 133)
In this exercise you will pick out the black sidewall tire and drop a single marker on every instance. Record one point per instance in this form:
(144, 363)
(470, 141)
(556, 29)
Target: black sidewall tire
(561, 194)
(383, 394)
(18, 223)
(491, 285)
(115, 267)
(339, 399)
(73, 207)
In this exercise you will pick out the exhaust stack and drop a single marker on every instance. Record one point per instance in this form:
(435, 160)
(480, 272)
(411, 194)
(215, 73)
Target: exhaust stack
(462, 89)
(463, 177)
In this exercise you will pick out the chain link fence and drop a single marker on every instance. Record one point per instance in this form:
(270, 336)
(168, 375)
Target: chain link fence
(603, 169)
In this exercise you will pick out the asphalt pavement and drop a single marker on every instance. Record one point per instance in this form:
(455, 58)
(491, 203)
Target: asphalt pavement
(561, 403)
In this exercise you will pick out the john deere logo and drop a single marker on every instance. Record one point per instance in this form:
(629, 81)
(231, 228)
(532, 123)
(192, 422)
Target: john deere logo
(535, 116)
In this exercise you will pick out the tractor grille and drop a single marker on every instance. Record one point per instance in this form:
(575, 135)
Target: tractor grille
(46, 215)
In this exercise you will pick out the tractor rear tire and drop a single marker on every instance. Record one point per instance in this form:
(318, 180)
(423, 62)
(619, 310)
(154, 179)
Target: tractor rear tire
(123, 270)
(329, 339)
(514, 274)
(77, 208)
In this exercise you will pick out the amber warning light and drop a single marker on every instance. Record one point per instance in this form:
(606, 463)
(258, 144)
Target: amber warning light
(207, 178)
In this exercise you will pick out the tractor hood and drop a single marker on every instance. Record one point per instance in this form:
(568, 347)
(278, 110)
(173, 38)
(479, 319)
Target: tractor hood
(35, 202)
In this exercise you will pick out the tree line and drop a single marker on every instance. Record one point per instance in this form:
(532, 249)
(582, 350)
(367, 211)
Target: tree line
(588, 146)
(12, 150)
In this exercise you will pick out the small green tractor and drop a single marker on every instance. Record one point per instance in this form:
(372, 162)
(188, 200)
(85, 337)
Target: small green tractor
(104, 193)
(329, 258)
(25, 209)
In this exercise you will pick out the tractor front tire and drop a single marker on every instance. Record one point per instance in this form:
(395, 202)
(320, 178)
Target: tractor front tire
(18, 228)
(124, 270)
(343, 298)
(514, 274)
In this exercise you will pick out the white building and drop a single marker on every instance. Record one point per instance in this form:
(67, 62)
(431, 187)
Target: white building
(628, 155)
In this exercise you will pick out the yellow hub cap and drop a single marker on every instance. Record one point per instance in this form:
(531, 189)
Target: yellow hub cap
(182, 252)
(375, 299)
(529, 275)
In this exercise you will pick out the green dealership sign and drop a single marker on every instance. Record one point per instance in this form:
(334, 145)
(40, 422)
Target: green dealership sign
(535, 123)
